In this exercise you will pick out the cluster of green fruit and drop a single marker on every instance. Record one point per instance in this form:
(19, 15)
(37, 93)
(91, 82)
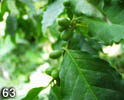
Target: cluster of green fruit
(66, 29)
(52, 71)
(65, 24)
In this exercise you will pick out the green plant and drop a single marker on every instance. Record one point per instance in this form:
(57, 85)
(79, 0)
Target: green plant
(80, 29)
(83, 74)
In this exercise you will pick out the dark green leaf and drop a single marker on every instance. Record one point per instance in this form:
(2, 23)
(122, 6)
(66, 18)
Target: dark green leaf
(114, 12)
(11, 26)
(55, 93)
(90, 46)
(84, 77)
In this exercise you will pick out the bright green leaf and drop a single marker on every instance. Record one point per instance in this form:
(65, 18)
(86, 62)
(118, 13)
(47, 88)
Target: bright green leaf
(104, 32)
(87, 7)
(12, 7)
(5, 46)
(51, 14)
(33, 93)
(29, 4)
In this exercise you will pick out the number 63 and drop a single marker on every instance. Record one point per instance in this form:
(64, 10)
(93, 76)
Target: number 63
(8, 92)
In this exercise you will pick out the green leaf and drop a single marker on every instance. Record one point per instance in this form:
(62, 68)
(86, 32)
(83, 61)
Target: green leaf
(11, 26)
(5, 46)
(53, 29)
(3, 9)
(82, 28)
(33, 93)
(98, 3)
(104, 32)
(29, 4)
(84, 77)
(114, 12)
(90, 46)
(87, 7)
(12, 7)
(51, 14)
(55, 93)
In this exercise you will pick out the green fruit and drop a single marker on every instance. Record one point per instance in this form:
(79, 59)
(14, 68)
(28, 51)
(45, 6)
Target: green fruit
(49, 70)
(61, 29)
(67, 35)
(67, 3)
(64, 22)
(55, 54)
(55, 73)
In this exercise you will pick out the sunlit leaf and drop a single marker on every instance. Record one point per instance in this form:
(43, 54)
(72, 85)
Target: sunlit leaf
(87, 7)
(51, 14)
(105, 32)
(29, 4)
(33, 93)
(12, 7)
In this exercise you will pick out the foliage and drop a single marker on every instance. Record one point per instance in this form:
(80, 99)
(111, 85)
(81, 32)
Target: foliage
(73, 33)
(33, 93)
